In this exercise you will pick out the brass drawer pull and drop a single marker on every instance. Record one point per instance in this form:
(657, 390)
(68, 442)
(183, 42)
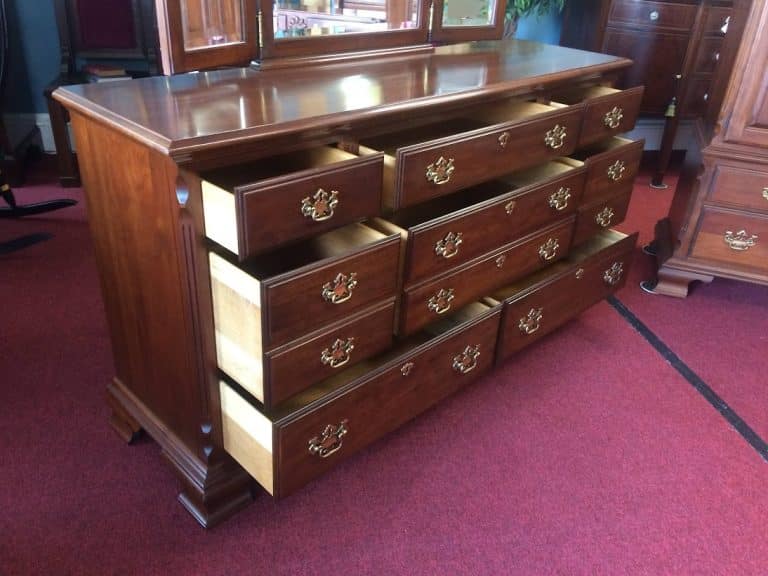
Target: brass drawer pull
(604, 217)
(531, 322)
(448, 247)
(740, 241)
(320, 207)
(500, 261)
(613, 274)
(616, 170)
(765, 192)
(504, 139)
(465, 362)
(559, 200)
(340, 290)
(339, 353)
(440, 171)
(407, 368)
(440, 303)
(548, 250)
(555, 138)
(612, 118)
(330, 441)
(654, 15)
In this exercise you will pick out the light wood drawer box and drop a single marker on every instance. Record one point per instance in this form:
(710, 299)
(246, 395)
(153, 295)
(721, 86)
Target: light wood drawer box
(600, 215)
(273, 299)
(608, 111)
(447, 232)
(734, 238)
(428, 301)
(300, 195)
(610, 166)
(740, 186)
(542, 302)
(433, 161)
(653, 14)
(321, 427)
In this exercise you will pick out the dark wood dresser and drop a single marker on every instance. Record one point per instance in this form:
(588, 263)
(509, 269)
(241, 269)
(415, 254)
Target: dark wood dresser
(295, 262)
(718, 222)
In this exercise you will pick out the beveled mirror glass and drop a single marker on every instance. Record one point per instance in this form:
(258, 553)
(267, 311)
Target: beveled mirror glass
(208, 23)
(468, 12)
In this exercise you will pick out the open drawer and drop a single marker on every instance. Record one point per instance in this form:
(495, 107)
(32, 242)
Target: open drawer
(601, 215)
(444, 233)
(611, 165)
(317, 429)
(544, 301)
(436, 160)
(281, 298)
(608, 111)
(298, 195)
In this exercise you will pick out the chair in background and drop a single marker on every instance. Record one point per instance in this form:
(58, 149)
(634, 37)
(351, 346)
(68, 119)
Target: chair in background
(98, 32)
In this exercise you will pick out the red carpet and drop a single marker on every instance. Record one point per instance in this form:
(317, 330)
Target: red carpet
(585, 454)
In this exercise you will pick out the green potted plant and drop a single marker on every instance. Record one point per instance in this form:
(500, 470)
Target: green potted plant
(517, 9)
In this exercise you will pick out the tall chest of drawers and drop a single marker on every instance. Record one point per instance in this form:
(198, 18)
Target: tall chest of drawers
(296, 262)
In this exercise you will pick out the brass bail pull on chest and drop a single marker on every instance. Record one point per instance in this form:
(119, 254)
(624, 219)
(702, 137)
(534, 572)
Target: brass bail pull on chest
(555, 138)
(465, 362)
(340, 290)
(320, 206)
(740, 241)
(330, 441)
(613, 117)
(440, 171)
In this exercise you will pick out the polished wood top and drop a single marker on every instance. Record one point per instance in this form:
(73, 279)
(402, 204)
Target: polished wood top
(186, 113)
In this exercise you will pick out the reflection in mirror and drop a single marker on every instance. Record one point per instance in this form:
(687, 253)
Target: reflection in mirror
(212, 23)
(306, 18)
(468, 12)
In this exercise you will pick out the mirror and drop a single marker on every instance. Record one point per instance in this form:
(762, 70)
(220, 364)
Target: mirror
(468, 12)
(211, 23)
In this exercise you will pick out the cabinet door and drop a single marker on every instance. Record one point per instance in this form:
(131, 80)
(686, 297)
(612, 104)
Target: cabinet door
(200, 34)
(657, 57)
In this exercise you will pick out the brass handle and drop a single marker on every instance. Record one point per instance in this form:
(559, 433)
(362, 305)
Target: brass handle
(559, 200)
(612, 118)
(616, 170)
(330, 441)
(604, 217)
(654, 15)
(440, 303)
(339, 353)
(740, 241)
(531, 322)
(765, 192)
(500, 261)
(440, 171)
(320, 206)
(504, 139)
(613, 274)
(579, 273)
(548, 250)
(406, 368)
(340, 290)
(555, 138)
(448, 247)
(509, 207)
(465, 362)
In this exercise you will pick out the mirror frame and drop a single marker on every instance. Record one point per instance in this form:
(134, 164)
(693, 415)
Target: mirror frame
(442, 33)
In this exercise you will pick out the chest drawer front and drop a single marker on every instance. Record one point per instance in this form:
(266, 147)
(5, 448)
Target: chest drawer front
(653, 14)
(338, 190)
(743, 187)
(573, 286)
(430, 300)
(734, 239)
(708, 55)
(610, 167)
(718, 21)
(490, 226)
(601, 215)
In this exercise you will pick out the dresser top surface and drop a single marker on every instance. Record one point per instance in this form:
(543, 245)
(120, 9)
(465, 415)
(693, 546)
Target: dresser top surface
(205, 109)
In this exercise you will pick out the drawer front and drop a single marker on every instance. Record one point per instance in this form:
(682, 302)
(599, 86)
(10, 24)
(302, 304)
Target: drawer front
(735, 239)
(295, 367)
(696, 97)
(653, 14)
(429, 301)
(295, 304)
(436, 168)
(601, 215)
(741, 186)
(300, 206)
(708, 55)
(610, 115)
(528, 317)
(609, 172)
(718, 21)
(433, 248)
(382, 402)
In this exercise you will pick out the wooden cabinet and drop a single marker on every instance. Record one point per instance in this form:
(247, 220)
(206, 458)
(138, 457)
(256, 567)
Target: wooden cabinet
(718, 224)
(293, 268)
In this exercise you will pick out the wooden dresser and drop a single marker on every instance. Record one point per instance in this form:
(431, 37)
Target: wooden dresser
(295, 262)
(718, 222)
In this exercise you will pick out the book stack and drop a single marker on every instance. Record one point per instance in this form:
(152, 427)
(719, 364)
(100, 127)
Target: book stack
(104, 73)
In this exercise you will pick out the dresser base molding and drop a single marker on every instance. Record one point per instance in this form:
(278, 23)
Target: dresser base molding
(211, 492)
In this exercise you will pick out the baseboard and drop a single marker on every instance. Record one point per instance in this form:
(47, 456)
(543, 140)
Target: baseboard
(652, 128)
(19, 125)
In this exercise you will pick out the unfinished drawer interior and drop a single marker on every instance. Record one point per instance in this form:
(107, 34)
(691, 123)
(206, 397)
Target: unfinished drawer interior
(300, 194)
